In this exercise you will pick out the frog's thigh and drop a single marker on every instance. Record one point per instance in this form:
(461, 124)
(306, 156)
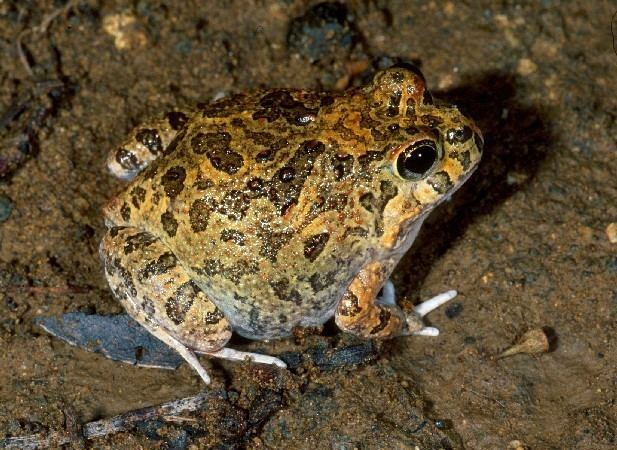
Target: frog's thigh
(359, 313)
(154, 288)
(144, 144)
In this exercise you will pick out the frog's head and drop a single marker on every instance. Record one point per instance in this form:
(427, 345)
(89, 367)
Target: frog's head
(432, 148)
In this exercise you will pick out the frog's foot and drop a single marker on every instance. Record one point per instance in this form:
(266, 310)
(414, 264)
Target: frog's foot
(414, 320)
(237, 355)
(157, 292)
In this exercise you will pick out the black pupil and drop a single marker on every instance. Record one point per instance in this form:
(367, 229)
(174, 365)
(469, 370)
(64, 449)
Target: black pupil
(417, 161)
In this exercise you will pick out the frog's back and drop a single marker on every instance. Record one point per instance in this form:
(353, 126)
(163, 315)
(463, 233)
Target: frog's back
(248, 199)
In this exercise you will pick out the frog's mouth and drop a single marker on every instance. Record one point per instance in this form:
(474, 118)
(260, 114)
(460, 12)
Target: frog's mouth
(409, 228)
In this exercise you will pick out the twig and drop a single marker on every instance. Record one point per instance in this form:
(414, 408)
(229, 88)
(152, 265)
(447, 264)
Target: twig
(41, 28)
(170, 412)
(489, 398)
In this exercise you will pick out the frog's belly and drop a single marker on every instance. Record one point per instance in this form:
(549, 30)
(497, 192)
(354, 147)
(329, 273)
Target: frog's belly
(263, 316)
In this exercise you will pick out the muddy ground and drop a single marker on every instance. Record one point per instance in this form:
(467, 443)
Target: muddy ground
(525, 242)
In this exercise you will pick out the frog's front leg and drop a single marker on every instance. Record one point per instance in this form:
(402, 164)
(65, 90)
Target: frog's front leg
(157, 292)
(363, 313)
(144, 144)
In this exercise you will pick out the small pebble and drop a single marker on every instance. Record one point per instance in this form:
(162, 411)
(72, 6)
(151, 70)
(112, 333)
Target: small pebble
(443, 424)
(6, 207)
(611, 232)
(526, 67)
(517, 445)
(468, 340)
(453, 310)
(125, 30)
(323, 30)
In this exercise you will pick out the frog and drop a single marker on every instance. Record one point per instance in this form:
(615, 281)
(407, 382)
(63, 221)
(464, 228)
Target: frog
(268, 211)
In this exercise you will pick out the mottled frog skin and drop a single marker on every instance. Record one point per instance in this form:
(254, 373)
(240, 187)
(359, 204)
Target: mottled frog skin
(265, 211)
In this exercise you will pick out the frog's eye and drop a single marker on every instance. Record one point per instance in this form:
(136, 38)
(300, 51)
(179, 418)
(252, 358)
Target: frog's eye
(416, 161)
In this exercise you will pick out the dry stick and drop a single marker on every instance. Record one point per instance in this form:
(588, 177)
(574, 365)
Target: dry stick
(169, 412)
(47, 20)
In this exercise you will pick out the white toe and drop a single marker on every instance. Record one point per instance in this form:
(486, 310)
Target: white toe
(388, 296)
(237, 355)
(427, 331)
(429, 305)
(187, 354)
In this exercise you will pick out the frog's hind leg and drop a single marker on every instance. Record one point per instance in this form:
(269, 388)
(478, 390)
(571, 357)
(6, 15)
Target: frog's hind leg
(363, 313)
(145, 143)
(151, 284)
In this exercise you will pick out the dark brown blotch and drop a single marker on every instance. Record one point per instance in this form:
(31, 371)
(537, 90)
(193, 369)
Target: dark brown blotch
(165, 262)
(176, 120)
(393, 104)
(367, 201)
(241, 268)
(350, 305)
(314, 245)
(216, 146)
(326, 100)
(150, 139)
(440, 181)
(355, 231)
(199, 214)
(384, 319)
(464, 158)
(203, 142)
(280, 103)
(125, 212)
(272, 242)
(367, 160)
(256, 187)
(138, 196)
(169, 223)
(127, 159)
(342, 166)
(284, 192)
(202, 184)
(235, 236)
(214, 317)
(138, 241)
(211, 267)
(432, 121)
(388, 192)
(284, 292)
(287, 174)
(233, 273)
(177, 306)
(128, 288)
(320, 281)
(458, 135)
(234, 205)
(173, 181)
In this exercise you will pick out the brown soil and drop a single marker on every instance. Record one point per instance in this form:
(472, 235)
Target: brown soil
(525, 241)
